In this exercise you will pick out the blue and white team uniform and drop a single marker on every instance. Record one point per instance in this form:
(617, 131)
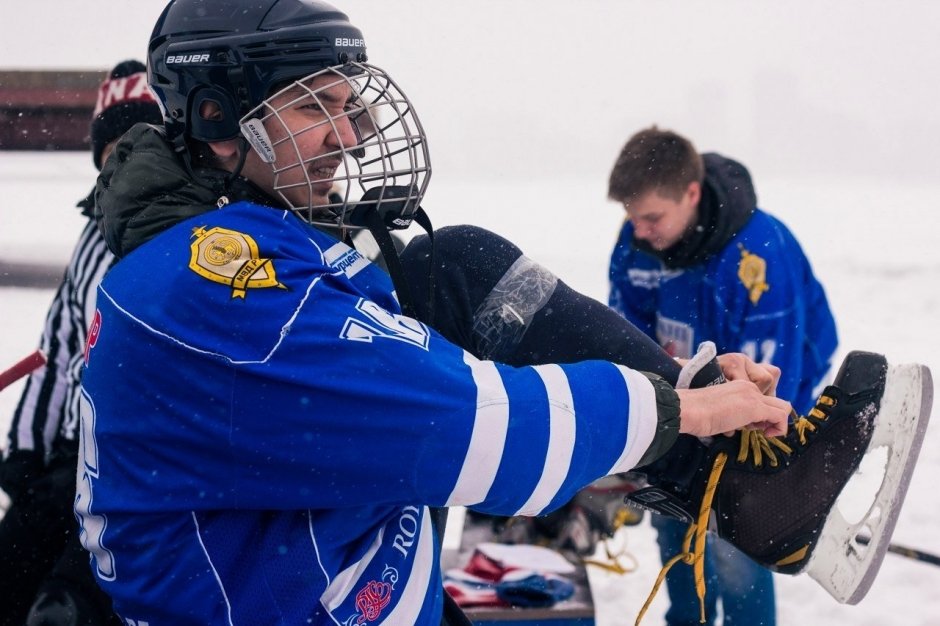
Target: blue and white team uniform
(740, 279)
(262, 431)
(754, 292)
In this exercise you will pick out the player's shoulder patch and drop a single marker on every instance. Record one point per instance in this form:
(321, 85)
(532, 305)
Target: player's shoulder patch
(231, 258)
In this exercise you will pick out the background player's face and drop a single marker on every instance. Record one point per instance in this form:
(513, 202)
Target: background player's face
(660, 220)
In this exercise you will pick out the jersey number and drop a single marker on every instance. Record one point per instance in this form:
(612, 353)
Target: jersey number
(380, 323)
(92, 525)
(767, 349)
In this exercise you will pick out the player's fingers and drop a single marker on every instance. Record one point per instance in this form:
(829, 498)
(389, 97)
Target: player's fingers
(733, 366)
(764, 375)
(738, 366)
(777, 416)
(771, 429)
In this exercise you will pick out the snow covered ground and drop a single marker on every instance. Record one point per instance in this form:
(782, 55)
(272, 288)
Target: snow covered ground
(873, 244)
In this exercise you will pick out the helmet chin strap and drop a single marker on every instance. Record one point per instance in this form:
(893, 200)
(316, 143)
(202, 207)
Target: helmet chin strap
(243, 148)
(376, 225)
(181, 149)
(379, 230)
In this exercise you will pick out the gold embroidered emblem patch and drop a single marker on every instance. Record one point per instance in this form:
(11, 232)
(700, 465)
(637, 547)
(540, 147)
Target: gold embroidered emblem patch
(752, 270)
(230, 258)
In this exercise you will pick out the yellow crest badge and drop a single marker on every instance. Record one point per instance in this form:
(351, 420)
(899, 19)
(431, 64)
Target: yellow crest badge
(230, 258)
(752, 270)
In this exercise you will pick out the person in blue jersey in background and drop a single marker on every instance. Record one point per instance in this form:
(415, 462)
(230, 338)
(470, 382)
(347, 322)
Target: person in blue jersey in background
(696, 261)
(267, 418)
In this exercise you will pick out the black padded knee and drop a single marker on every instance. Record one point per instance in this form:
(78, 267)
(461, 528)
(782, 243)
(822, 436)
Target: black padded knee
(468, 263)
(530, 318)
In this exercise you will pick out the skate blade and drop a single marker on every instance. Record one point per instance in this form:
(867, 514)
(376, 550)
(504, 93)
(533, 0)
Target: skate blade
(840, 564)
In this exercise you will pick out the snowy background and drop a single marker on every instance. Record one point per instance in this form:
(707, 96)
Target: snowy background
(833, 107)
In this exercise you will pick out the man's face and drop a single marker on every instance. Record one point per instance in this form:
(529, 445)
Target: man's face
(660, 220)
(307, 144)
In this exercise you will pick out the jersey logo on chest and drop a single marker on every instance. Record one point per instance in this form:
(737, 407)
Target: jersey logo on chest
(752, 270)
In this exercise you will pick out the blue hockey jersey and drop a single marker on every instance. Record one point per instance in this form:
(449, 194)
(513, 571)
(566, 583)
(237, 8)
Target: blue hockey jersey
(263, 430)
(758, 295)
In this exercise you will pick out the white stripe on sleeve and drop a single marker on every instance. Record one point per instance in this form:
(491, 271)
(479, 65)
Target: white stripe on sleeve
(488, 439)
(641, 421)
(560, 440)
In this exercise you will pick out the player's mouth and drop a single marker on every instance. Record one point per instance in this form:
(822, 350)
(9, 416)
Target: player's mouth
(323, 170)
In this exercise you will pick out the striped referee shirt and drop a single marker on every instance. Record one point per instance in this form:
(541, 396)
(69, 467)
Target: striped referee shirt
(47, 415)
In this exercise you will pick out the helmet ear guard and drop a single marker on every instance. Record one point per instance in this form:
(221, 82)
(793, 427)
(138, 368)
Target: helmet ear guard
(222, 124)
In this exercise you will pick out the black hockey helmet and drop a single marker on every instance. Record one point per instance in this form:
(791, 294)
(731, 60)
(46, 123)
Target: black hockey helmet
(237, 53)
(233, 52)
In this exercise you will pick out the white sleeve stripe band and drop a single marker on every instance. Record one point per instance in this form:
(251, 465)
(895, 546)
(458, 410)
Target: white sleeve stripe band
(642, 419)
(488, 439)
(562, 433)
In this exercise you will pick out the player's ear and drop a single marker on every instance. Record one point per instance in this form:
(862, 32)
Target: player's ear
(693, 192)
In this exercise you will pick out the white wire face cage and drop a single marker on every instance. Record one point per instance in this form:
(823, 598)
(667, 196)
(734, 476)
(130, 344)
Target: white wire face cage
(375, 157)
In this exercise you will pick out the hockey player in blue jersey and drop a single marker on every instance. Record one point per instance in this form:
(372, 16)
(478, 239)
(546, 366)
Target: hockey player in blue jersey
(264, 430)
(696, 261)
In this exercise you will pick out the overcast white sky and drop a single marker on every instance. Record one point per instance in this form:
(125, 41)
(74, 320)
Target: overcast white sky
(548, 89)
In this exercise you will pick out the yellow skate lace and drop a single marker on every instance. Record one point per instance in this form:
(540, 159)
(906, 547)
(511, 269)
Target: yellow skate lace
(757, 445)
(618, 561)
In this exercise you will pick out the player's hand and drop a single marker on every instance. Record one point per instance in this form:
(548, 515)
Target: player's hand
(726, 408)
(737, 366)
